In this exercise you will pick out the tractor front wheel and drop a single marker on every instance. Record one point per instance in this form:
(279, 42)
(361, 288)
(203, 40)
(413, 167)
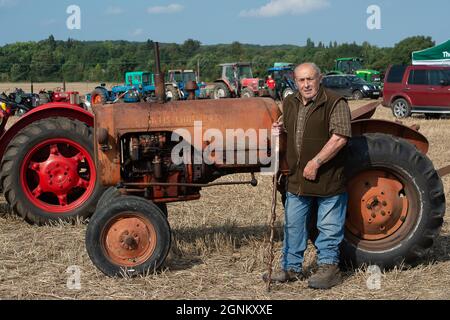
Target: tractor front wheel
(129, 236)
(48, 171)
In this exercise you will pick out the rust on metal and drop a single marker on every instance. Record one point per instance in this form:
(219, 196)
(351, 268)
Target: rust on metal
(160, 90)
(443, 171)
(365, 112)
(129, 239)
(226, 115)
(190, 87)
(360, 127)
(376, 209)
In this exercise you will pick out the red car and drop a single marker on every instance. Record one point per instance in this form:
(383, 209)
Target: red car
(417, 89)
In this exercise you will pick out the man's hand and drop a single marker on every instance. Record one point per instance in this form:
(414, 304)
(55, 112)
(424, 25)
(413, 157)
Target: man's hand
(277, 128)
(310, 171)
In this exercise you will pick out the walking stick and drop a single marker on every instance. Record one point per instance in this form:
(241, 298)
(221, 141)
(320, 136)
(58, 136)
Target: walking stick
(273, 216)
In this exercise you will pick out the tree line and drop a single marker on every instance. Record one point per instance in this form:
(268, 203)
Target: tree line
(73, 60)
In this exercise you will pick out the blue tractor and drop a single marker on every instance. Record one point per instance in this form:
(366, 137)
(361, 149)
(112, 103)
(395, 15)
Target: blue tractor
(283, 74)
(176, 84)
(139, 85)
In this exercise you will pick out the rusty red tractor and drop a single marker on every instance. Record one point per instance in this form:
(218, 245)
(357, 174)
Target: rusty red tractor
(51, 169)
(237, 81)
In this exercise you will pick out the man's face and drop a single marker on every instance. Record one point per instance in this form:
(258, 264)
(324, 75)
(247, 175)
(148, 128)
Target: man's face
(308, 81)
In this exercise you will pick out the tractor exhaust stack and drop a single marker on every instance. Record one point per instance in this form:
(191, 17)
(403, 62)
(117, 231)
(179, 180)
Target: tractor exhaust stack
(159, 78)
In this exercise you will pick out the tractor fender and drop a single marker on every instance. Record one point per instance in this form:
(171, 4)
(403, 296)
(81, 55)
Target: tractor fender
(49, 110)
(173, 84)
(411, 134)
(227, 83)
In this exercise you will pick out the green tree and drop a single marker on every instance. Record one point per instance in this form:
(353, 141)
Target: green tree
(402, 51)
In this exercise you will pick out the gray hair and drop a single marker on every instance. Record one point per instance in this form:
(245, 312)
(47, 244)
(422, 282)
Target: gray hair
(310, 64)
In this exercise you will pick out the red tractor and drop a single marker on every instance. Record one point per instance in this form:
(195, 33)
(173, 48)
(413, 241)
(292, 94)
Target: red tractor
(237, 81)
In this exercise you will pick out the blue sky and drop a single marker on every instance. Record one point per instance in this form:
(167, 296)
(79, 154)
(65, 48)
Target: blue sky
(225, 21)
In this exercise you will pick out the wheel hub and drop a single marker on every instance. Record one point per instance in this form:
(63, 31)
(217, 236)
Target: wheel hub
(58, 175)
(377, 206)
(129, 240)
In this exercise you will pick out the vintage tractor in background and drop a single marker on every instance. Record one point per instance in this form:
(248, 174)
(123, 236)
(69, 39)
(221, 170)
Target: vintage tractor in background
(176, 84)
(355, 66)
(48, 173)
(237, 81)
(283, 74)
(138, 85)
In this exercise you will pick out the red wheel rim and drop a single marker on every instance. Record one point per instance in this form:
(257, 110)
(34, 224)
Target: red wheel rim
(129, 239)
(58, 175)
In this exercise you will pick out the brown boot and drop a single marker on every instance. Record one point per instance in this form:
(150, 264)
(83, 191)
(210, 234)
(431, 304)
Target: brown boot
(326, 277)
(284, 276)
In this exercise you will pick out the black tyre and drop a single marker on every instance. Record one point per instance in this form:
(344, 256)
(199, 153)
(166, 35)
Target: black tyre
(221, 91)
(247, 93)
(108, 195)
(401, 108)
(172, 93)
(357, 95)
(48, 171)
(130, 235)
(98, 96)
(396, 202)
(112, 193)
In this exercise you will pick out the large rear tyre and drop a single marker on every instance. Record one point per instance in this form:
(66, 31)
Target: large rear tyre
(172, 93)
(221, 91)
(48, 171)
(396, 202)
(129, 236)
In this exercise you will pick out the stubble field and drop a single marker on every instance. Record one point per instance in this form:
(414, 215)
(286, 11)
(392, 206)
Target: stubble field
(218, 248)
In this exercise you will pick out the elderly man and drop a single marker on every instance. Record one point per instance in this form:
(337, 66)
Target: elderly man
(317, 123)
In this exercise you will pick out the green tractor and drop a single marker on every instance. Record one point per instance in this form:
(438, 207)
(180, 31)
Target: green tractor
(355, 66)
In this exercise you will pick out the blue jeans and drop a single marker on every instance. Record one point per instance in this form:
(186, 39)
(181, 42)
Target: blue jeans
(330, 223)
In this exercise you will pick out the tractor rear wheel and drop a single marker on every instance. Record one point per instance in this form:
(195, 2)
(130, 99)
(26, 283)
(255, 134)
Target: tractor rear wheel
(172, 93)
(48, 171)
(396, 202)
(221, 91)
(129, 236)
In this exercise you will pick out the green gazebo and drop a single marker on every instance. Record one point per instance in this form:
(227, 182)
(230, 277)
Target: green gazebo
(438, 55)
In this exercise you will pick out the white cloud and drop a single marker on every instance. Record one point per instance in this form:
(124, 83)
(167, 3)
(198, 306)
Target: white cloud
(281, 7)
(113, 10)
(171, 8)
(137, 32)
